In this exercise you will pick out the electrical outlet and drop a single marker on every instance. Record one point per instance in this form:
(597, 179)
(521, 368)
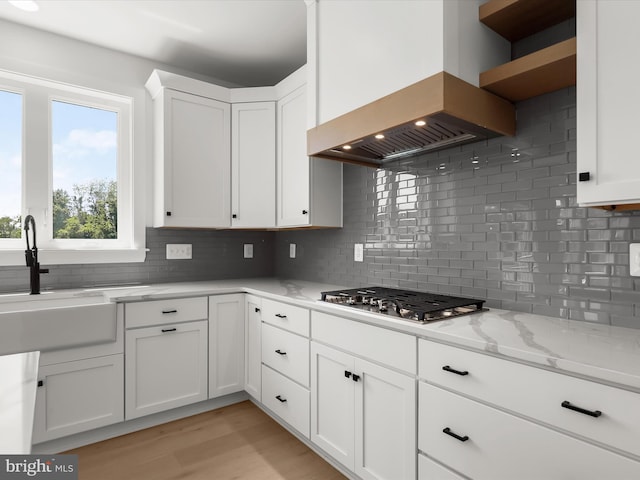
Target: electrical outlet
(634, 259)
(358, 252)
(292, 250)
(248, 250)
(178, 251)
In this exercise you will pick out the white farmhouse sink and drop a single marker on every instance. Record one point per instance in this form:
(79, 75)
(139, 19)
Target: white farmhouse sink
(52, 321)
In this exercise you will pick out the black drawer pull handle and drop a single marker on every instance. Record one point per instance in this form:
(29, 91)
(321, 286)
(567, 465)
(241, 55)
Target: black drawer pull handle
(457, 437)
(279, 315)
(165, 330)
(169, 311)
(355, 377)
(347, 374)
(281, 399)
(591, 413)
(453, 370)
(280, 352)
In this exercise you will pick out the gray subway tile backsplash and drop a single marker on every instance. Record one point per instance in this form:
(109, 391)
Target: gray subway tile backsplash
(501, 223)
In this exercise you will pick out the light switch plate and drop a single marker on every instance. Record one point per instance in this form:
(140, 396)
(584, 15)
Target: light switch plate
(292, 250)
(358, 252)
(634, 259)
(248, 250)
(178, 251)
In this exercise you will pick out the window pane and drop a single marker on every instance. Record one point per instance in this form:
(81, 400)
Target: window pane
(85, 141)
(10, 164)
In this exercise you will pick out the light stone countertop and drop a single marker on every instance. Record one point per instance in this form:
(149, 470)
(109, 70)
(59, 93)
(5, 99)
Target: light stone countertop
(607, 353)
(18, 384)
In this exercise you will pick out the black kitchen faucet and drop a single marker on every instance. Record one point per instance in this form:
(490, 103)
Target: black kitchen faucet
(31, 256)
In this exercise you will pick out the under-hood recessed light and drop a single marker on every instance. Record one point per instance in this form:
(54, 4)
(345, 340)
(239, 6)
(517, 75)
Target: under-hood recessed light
(420, 123)
(26, 5)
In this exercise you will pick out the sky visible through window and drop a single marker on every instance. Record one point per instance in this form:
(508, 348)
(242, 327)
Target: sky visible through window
(84, 145)
(10, 154)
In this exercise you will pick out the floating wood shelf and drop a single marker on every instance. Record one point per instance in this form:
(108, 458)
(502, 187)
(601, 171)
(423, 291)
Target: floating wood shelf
(544, 71)
(517, 19)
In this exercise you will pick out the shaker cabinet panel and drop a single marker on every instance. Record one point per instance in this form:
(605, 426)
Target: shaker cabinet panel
(607, 100)
(192, 161)
(166, 367)
(78, 396)
(253, 347)
(226, 344)
(253, 165)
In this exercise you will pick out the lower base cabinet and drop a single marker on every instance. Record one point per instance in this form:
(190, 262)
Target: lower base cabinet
(166, 367)
(485, 443)
(286, 399)
(77, 396)
(430, 470)
(226, 344)
(363, 415)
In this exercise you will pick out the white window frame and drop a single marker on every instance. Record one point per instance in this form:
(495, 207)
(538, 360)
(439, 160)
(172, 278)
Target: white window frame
(37, 166)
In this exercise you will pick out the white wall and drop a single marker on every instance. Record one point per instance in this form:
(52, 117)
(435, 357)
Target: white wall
(33, 52)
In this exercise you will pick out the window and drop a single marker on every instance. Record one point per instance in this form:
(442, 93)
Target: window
(65, 158)
(10, 164)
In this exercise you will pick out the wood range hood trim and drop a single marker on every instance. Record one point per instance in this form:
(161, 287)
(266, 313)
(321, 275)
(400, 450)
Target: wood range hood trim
(442, 100)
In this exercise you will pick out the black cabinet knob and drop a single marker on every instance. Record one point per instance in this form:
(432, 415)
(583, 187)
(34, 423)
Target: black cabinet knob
(304, 212)
(347, 374)
(355, 377)
(257, 310)
(584, 176)
(168, 214)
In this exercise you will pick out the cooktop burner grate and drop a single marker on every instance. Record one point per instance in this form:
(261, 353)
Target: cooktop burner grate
(412, 305)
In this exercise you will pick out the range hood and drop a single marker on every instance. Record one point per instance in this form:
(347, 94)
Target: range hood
(435, 113)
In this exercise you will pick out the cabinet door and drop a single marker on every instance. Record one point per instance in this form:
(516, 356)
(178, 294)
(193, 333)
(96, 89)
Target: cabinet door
(78, 396)
(166, 367)
(332, 403)
(226, 344)
(385, 424)
(253, 347)
(193, 162)
(253, 165)
(607, 101)
(293, 163)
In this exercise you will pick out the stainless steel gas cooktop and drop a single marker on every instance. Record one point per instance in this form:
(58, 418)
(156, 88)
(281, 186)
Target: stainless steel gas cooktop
(420, 307)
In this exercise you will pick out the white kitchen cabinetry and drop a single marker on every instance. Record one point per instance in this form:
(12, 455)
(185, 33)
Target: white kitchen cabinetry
(607, 101)
(285, 359)
(226, 344)
(359, 52)
(80, 389)
(253, 165)
(253, 346)
(192, 160)
(516, 405)
(77, 396)
(363, 414)
(309, 189)
(166, 359)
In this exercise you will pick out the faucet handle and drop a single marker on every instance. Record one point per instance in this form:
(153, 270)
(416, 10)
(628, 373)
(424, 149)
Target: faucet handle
(28, 254)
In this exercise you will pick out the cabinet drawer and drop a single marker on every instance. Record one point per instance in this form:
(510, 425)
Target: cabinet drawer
(159, 312)
(395, 349)
(494, 445)
(292, 318)
(287, 353)
(286, 399)
(537, 393)
(430, 470)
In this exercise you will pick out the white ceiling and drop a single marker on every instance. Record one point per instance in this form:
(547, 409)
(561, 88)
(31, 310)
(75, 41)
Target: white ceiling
(244, 42)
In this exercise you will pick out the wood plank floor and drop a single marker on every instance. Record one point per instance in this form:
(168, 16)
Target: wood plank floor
(235, 442)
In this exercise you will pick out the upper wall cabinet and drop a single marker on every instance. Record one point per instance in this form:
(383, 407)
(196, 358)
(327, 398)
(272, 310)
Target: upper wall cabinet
(191, 155)
(309, 190)
(359, 51)
(253, 165)
(607, 98)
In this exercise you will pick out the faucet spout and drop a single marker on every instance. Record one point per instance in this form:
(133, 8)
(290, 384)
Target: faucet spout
(31, 256)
